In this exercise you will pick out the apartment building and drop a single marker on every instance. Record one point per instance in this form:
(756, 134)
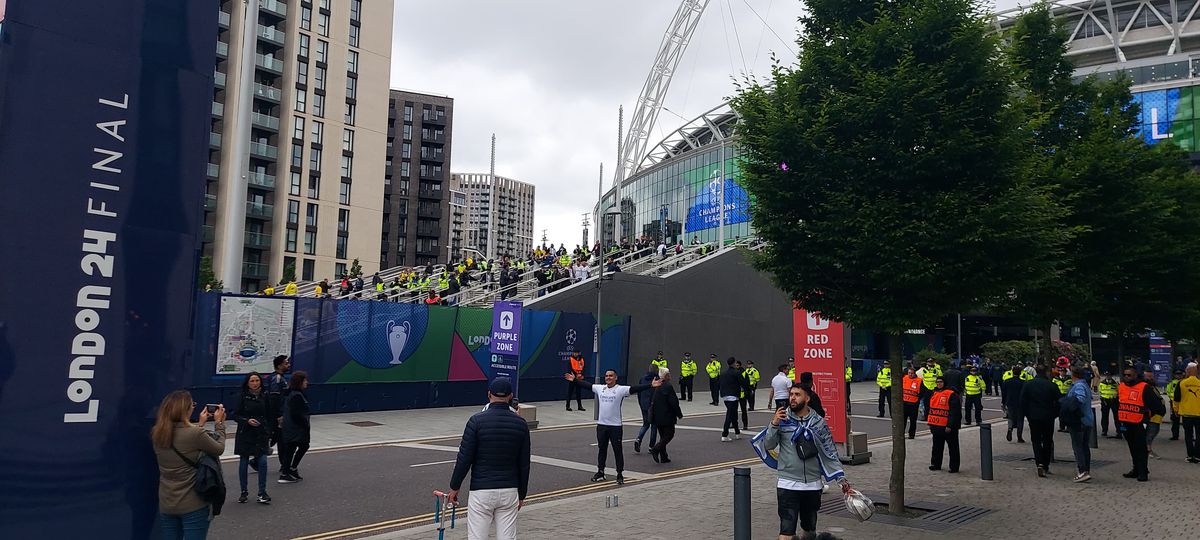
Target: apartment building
(311, 175)
(513, 203)
(416, 201)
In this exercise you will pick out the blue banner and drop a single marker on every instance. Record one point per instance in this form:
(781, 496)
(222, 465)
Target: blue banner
(104, 109)
(1160, 359)
(705, 211)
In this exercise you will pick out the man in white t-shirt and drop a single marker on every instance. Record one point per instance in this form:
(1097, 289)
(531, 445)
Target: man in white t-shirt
(608, 422)
(780, 385)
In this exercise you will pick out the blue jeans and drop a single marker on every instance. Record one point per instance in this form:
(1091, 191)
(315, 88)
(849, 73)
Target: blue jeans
(647, 426)
(189, 526)
(1083, 452)
(260, 463)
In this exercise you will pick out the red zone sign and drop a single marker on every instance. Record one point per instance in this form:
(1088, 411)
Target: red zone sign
(820, 348)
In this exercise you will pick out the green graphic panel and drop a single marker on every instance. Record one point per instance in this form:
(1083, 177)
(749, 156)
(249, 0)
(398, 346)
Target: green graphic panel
(430, 362)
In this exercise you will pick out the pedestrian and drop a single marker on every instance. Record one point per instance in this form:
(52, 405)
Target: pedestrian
(577, 365)
(807, 458)
(296, 431)
(713, 369)
(745, 389)
(752, 377)
(974, 397)
(252, 443)
(814, 399)
(1187, 393)
(883, 380)
(849, 379)
(644, 399)
(687, 377)
(929, 375)
(177, 443)
(1061, 378)
(277, 387)
(1076, 413)
(1010, 396)
(731, 391)
(1170, 394)
(495, 450)
(610, 395)
(1108, 403)
(1039, 402)
(1154, 422)
(664, 412)
(945, 420)
(1132, 412)
(779, 387)
(912, 398)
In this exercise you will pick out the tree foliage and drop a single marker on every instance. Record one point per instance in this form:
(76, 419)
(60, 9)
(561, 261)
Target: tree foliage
(289, 272)
(206, 279)
(1010, 353)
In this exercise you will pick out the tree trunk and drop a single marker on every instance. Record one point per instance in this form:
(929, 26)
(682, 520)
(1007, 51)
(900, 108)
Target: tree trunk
(1120, 363)
(896, 484)
(1048, 346)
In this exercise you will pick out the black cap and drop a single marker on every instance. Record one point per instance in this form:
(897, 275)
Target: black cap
(660, 353)
(687, 354)
(501, 387)
(712, 356)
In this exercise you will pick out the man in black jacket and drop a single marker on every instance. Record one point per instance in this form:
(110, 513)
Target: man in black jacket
(1010, 398)
(495, 449)
(731, 384)
(1039, 403)
(814, 400)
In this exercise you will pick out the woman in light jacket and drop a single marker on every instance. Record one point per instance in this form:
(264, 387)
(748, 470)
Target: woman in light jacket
(182, 513)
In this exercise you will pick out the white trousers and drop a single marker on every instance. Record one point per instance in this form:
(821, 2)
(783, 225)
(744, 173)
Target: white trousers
(487, 507)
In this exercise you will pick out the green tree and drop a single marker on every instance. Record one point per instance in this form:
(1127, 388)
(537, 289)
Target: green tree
(205, 278)
(1010, 353)
(355, 269)
(289, 272)
(884, 167)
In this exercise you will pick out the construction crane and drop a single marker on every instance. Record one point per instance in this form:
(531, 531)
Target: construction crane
(654, 91)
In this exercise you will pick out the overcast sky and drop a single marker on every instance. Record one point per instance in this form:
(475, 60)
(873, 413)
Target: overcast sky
(547, 77)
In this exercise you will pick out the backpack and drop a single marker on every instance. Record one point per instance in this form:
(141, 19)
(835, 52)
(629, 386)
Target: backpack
(1070, 412)
(210, 482)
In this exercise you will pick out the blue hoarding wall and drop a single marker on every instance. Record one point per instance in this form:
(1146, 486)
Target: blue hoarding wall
(104, 108)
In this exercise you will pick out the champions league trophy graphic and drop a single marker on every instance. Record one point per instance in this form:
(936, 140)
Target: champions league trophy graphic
(397, 337)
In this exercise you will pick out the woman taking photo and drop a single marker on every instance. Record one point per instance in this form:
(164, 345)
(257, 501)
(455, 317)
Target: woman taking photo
(295, 429)
(253, 440)
(182, 513)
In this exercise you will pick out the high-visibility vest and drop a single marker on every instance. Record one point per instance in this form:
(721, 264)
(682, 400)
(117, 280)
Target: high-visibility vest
(974, 385)
(1026, 376)
(318, 290)
(379, 286)
(884, 378)
(849, 374)
(930, 376)
(912, 389)
(1132, 405)
(659, 362)
(1171, 386)
(713, 369)
(1008, 374)
(577, 365)
(1063, 385)
(290, 289)
(791, 374)
(1108, 390)
(939, 408)
(687, 368)
(752, 375)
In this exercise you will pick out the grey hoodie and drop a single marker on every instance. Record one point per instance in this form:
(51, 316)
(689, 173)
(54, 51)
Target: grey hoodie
(825, 466)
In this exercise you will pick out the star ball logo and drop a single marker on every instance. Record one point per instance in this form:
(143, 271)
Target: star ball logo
(570, 337)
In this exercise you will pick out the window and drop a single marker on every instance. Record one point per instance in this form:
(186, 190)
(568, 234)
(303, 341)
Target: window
(408, 109)
(301, 72)
(298, 128)
(354, 35)
(293, 211)
(404, 168)
(339, 269)
(323, 51)
(307, 272)
(341, 247)
(347, 166)
(406, 151)
(291, 241)
(351, 88)
(351, 112)
(310, 242)
(305, 18)
(310, 215)
(318, 133)
(407, 133)
(314, 159)
(304, 41)
(318, 106)
(325, 5)
(301, 98)
(323, 24)
(344, 193)
(314, 185)
(356, 10)
(348, 140)
(352, 61)
(294, 187)
(297, 155)
(343, 220)
(319, 78)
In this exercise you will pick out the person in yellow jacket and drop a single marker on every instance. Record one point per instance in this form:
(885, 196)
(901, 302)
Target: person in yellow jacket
(752, 377)
(1187, 393)
(269, 291)
(1108, 404)
(1171, 386)
(929, 375)
(290, 289)
(713, 369)
(791, 369)
(884, 380)
(974, 386)
(687, 377)
(849, 377)
(1025, 374)
(659, 361)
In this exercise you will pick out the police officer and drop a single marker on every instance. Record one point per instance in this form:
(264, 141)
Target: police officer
(713, 369)
(687, 375)
(849, 376)
(884, 380)
(974, 391)
(791, 368)
(1108, 402)
(1064, 385)
(929, 382)
(659, 361)
(1171, 386)
(752, 377)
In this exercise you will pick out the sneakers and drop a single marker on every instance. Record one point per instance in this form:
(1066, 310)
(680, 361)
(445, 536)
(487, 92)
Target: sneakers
(569, 408)
(637, 446)
(1193, 460)
(264, 499)
(1130, 474)
(581, 409)
(296, 474)
(598, 477)
(1143, 478)
(934, 468)
(1155, 456)
(620, 479)
(1041, 471)
(1082, 477)
(243, 497)
(737, 436)
(286, 478)
(725, 439)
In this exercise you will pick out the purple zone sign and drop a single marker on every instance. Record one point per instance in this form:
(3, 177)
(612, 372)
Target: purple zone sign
(505, 344)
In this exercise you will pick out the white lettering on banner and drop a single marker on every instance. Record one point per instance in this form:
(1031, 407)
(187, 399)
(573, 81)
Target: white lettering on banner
(99, 262)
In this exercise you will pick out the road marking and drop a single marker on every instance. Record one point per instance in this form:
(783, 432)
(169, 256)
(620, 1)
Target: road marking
(624, 441)
(716, 429)
(553, 462)
(433, 463)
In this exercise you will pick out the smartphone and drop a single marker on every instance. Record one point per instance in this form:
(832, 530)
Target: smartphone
(212, 407)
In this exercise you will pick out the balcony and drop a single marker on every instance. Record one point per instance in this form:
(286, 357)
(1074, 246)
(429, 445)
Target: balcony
(214, 170)
(261, 180)
(265, 121)
(255, 270)
(210, 202)
(219, 79)
(223, 19)
(273, 6)
(429, 194)
(259, 210)
(207, 233)
(258, 240)
(218, 109)
(268, 63)
(214, 140)
(433, 119)
(270, 35)
(222, 49)
(267, 92)
(429, 212)
(263, 150)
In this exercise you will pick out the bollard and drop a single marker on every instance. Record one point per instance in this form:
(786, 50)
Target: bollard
(1092, 443)
(616, 501)
(985, 451)
(741, 503)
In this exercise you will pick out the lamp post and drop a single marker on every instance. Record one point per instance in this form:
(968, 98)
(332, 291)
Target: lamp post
(599, 324)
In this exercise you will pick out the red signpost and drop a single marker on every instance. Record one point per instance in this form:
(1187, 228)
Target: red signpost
(820, 348)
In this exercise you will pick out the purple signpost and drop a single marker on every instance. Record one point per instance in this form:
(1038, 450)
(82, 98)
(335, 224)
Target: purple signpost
(1160, 359)
(505, 343)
